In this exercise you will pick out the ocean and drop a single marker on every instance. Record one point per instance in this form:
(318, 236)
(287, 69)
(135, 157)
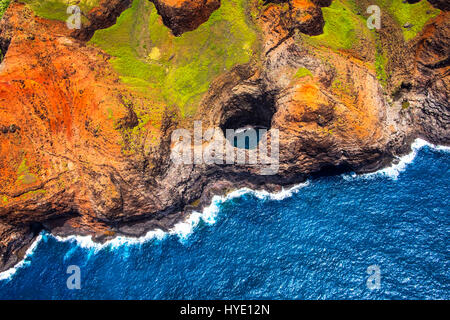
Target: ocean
(320, 240)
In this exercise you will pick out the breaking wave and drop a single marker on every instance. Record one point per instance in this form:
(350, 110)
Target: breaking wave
(209, 214)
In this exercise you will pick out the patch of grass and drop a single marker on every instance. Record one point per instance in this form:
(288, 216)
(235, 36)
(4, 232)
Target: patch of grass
(24, 175)
(303, 72)
(341, 85)
(343, 27)
(3, 6)
(57, 9)
(380, 63)
(110, 113)
(23, 167)
(405, 104)
(177, 69)
(32, 194)
(416, 14)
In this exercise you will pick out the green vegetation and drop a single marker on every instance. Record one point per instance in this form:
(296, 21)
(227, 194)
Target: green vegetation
(303, 72)
(343, 28)
(24, 175)
(416, 14)
(177, 69)
(195, 203)
(380, 63)
(405, 104)
(340, 83)
(57, 9)
(3, 6)
(32, 194)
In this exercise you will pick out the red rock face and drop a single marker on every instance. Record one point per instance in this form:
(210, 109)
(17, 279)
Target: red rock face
(62, 160)
(54, 92)
(432, 69)
(302, 15)
(185, 15)
(102, 17)
(179, 15)
(440, 4)
(307, 16)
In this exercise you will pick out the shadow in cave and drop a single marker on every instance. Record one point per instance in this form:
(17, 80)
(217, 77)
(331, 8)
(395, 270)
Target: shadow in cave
(249, 117)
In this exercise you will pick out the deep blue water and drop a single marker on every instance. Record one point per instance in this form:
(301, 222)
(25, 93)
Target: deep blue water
(316, 244)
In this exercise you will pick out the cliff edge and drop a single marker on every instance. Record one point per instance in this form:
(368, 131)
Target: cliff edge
(86, 116)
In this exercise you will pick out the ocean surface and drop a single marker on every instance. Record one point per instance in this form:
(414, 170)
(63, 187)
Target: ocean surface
(315, 241)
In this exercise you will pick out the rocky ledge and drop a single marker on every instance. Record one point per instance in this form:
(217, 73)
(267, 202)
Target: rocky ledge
(85, 147)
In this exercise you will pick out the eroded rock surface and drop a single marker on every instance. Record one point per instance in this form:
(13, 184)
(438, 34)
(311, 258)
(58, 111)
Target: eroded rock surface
(74, 156)
(185, 15)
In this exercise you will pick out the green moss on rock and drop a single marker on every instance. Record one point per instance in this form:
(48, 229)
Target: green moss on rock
(57, 9)
(343, 29)
(3, 6)
(416, 15)
(24, 175)
(405, 104)
(302, 72)
(179, 69)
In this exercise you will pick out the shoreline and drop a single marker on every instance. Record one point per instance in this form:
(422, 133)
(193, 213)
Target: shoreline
(208, 215)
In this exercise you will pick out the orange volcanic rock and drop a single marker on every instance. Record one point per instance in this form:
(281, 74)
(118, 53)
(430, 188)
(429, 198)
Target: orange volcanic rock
(66, 98)
(281, 19)
(72, 163)
(55, 97)
(185, 15)
(432, 70)
(102, 17)
(307, 17)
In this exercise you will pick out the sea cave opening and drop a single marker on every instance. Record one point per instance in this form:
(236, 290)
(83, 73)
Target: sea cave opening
(248, 118)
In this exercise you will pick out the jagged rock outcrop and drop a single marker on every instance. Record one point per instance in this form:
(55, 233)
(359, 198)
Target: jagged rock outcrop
(72, 163)
(440, 4)
(432, 81)
(101, 17)
(185, 15)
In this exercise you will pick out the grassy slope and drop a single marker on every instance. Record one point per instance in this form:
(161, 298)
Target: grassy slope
(416, 14)
(57, 9)
(302, 72)
(345, 29)
(3, 6)
(178, 69)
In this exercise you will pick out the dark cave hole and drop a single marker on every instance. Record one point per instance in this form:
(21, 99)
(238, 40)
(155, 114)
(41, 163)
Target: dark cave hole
(4, 45)
(247, 115)
(36, 228)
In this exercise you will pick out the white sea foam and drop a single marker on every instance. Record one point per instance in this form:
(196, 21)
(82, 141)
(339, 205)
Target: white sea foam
(182, 229)
(400, 163)
(6, 275)
(209, 214)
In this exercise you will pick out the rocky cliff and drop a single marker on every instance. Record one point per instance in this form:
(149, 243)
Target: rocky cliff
(86, 115)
